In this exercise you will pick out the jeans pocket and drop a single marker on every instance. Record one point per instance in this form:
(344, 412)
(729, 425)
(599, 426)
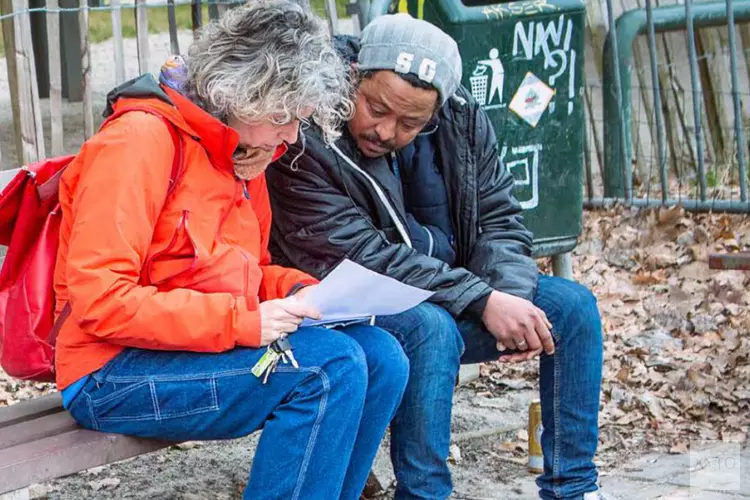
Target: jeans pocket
(120, 402)
(177, 397)
(152, 399)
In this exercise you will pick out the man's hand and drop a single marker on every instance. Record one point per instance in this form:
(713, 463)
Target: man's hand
(517, 357)
(282, 316)
(517, 325)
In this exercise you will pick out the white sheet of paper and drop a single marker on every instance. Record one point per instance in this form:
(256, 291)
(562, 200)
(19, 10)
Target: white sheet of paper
(352, 292)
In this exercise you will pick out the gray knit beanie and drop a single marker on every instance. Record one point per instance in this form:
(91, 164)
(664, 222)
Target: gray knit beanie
(400, 43)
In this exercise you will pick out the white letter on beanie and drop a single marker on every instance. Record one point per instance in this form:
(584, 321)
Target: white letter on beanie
(427, 70)
(403, 62)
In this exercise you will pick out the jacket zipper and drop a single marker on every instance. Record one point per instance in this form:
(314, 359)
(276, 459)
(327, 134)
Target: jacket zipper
(381, 195)
(469, 235)
(246, 281)
(476, 178)
(240, 185)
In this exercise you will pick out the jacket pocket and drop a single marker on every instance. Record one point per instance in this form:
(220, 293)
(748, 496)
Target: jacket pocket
(178, 257)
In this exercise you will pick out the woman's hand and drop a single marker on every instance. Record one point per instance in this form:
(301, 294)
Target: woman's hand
(282, 316)
(302, 292)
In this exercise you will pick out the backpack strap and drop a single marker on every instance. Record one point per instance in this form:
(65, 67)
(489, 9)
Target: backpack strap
(174, 176)
(177, 140)
(67, 309)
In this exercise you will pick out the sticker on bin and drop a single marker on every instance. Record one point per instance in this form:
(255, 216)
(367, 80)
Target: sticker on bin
(531, 99)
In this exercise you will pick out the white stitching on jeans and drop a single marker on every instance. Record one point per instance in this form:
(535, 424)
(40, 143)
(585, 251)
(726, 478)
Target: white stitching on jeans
(157, 410)
(556, 418)
(118, 393)
(181, 378)
(314, 431)
(214, 393)
(90, 405)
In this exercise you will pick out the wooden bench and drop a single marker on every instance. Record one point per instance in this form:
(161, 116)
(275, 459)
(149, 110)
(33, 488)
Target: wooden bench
(40, 441)
(730, 261)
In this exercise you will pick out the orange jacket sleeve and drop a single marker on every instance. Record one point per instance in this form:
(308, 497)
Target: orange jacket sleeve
(124, 175)
(277, 281)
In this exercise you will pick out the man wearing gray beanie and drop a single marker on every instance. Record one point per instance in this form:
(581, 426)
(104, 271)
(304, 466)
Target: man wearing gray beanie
(414, 190)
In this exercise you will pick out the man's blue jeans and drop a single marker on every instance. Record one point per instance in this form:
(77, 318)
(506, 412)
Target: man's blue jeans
(322, 424)
(570, 383)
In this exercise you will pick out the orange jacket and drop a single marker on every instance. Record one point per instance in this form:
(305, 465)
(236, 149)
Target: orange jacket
(202, 250)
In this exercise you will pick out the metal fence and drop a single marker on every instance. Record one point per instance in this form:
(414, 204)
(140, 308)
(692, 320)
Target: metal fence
(666, 97)
(674, 88)
(54, 78)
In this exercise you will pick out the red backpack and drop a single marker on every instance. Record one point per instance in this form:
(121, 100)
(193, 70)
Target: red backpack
(30, 227)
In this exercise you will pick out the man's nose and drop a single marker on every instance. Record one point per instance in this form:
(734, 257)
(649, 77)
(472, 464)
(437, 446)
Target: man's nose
(386, 130)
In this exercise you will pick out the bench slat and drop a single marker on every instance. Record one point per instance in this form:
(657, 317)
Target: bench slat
(27, 410)
(65, 454)
(36, 429)
(727, 261)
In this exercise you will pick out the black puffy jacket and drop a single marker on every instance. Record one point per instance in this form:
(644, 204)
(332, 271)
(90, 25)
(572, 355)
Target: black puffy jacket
(333, 203)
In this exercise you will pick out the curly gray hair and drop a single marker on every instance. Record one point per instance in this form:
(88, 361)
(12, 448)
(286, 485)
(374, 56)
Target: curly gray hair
(270, 60)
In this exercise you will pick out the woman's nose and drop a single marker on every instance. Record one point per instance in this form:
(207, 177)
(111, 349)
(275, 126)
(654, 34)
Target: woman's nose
(290, 132)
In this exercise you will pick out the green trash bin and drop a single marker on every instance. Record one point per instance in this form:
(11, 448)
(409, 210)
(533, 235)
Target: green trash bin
(524, 62)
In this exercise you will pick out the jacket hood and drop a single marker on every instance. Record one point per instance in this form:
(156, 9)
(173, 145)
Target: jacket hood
(143, 87)
(219, 140)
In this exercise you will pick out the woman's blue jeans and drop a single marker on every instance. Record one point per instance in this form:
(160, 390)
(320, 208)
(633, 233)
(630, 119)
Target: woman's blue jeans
(322, 423)
(570, 382)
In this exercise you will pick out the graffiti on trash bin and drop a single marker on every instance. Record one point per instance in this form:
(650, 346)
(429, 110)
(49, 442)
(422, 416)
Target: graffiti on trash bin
(523, 164)
(532, 39)
(487, 81)
(525, 8)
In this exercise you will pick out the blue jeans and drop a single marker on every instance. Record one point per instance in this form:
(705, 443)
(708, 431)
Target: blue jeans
(570, 382)
(322, 424)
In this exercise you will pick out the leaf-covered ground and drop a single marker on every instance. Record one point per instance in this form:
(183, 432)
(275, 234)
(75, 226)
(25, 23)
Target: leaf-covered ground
(676, 334)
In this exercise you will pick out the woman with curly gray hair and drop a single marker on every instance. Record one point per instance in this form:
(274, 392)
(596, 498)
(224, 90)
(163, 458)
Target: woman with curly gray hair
(172, 314)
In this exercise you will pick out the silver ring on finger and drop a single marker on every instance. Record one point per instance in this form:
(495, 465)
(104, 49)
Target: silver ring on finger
(521, 344)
